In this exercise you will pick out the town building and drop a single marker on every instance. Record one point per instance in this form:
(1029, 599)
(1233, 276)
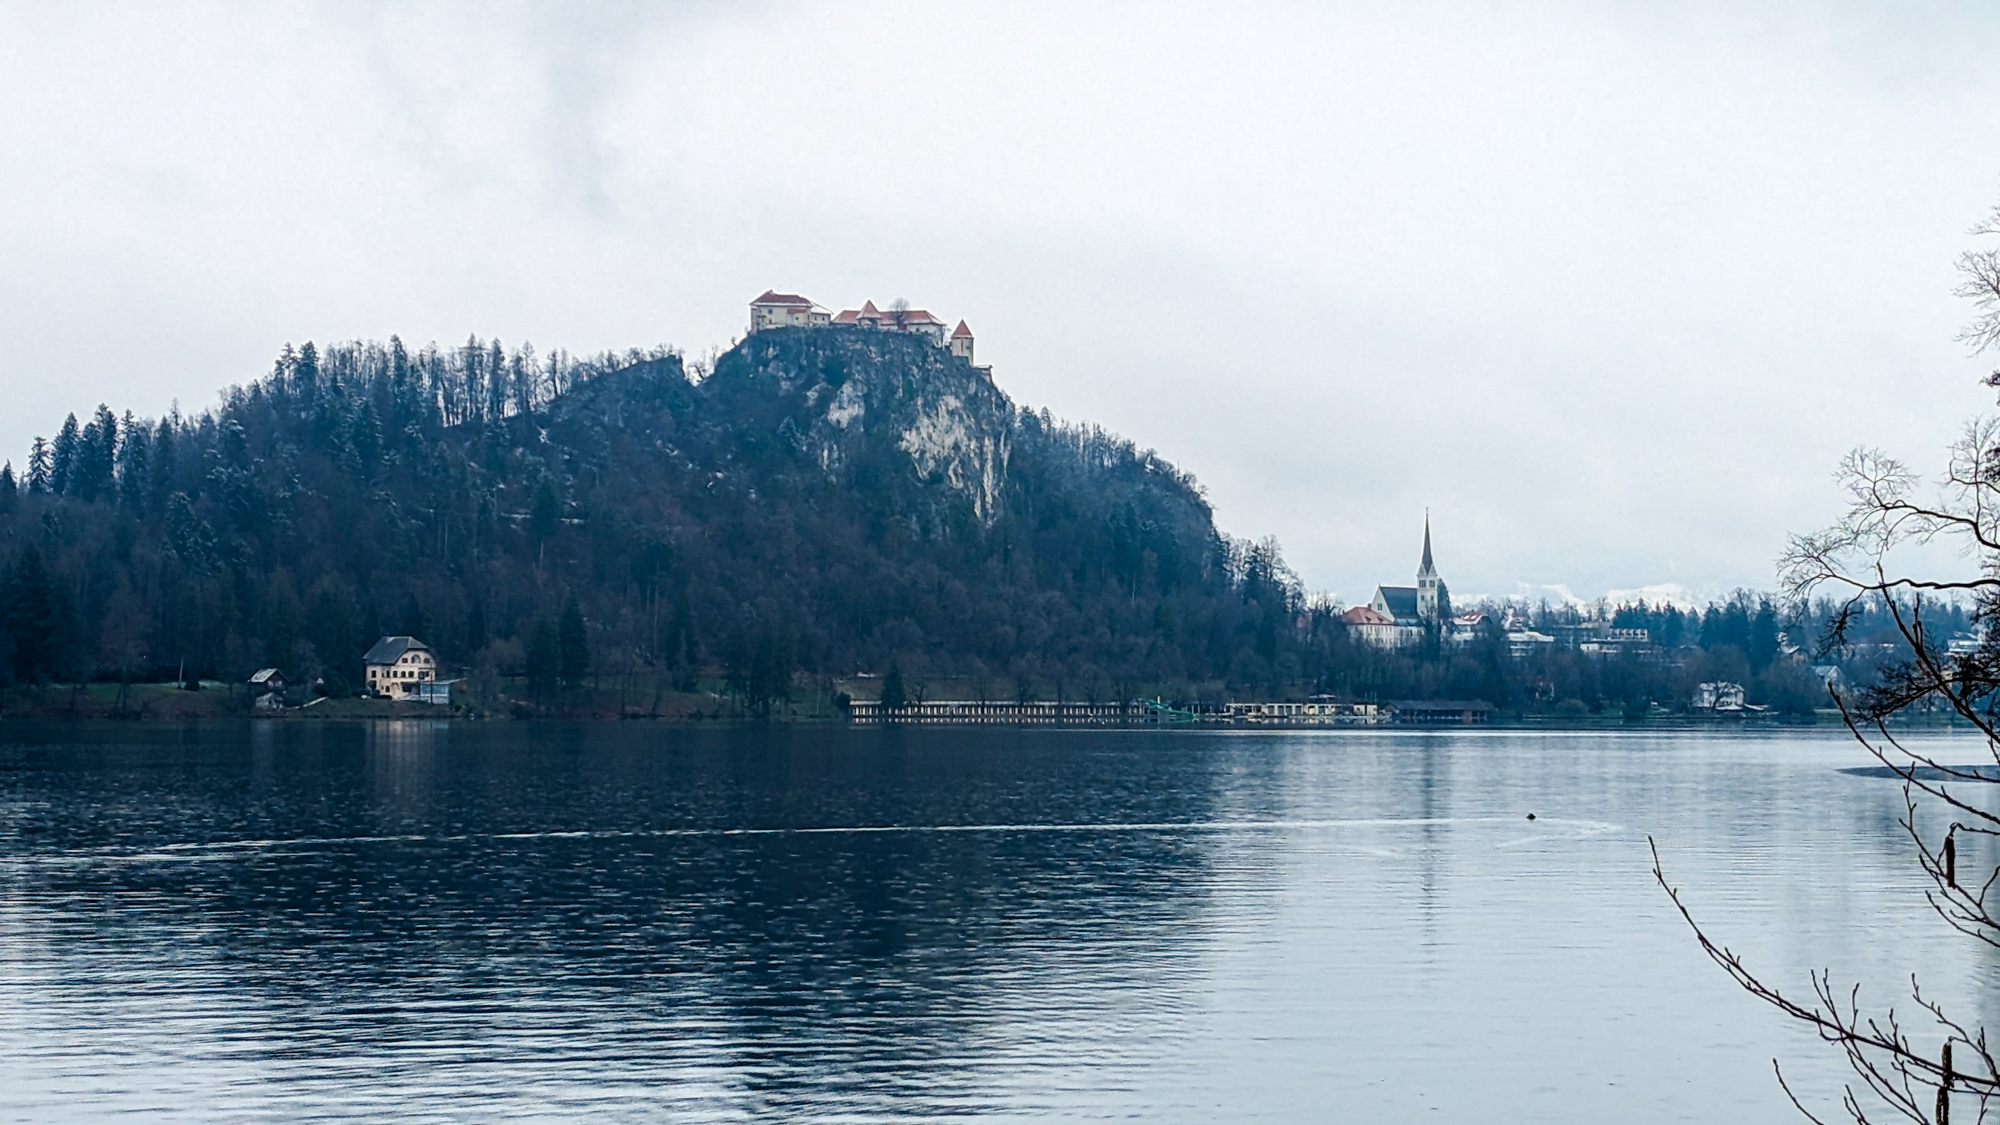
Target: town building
(400, 668)
(1524, 642)
(785, 310)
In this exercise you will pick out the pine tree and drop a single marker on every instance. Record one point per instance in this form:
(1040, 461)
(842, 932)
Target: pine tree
(40, 466)
(412, 622)
(330, 629)
(475, 627)
(9, 489)
(161, 484)
(133, 455)
(62, 456)
(574, 641)
(496, 383)
(305, 378)
(546, 514)
(544, 660)
(29, 610)
(96, 457)
(893, 696)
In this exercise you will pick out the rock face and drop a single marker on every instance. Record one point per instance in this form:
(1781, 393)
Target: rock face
(846, 398)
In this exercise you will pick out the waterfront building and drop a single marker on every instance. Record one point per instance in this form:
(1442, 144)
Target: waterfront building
(399, 667)
(267, 690)
(1720, 696)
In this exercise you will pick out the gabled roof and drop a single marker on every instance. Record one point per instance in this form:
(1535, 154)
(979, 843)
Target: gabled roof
(1366, 615)
(266, 675)
(390, 649)
(961, 330)
(905, 317)
(789, 300)
(1401, 600)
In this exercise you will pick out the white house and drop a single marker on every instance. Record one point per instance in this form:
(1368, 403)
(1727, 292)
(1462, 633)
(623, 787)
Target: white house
(398, 667)
(1720, 695)
(785, 310)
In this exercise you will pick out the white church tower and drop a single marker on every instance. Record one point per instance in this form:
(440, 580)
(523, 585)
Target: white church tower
(1433, 600)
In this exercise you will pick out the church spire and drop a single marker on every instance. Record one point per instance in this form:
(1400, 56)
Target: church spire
(1427, 568)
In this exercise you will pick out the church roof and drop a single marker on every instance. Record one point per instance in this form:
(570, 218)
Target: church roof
(1366, 615)
(1401, 600)
(1427, 568)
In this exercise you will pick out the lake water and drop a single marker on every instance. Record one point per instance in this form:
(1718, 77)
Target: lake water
(422, 922)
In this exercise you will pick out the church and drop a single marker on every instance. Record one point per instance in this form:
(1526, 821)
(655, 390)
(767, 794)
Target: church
(1400, 615)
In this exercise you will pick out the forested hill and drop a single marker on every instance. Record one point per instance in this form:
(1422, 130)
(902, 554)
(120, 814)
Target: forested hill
(825, 501)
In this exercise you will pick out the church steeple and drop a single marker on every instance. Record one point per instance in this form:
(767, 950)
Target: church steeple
(1433, 600)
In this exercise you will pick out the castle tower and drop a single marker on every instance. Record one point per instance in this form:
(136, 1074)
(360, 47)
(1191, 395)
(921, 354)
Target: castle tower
(961, 342)
(1433, 600)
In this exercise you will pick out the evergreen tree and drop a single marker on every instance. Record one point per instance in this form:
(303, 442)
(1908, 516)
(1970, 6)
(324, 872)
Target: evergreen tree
(330, 629)
(546, 515)
(29, 610)
(894, 698)
(305, 378)
(134, 452)
(164, 467)
(9, 489)
(475, 627)
(62, 456)
(412, 622)
(574, 642)
(41, 466)
(544, 661)
(96, 457)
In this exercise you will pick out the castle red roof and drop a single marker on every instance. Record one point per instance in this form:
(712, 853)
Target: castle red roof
(1366, 615)
(868, 312)
(961, 330)
(773, 297)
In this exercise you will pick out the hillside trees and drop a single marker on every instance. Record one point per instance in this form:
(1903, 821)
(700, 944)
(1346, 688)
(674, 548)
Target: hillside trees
(353, 481)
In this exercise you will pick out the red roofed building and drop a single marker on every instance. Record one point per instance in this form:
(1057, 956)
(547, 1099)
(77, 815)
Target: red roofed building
(789, 310)
(785, 310)
(897, 319)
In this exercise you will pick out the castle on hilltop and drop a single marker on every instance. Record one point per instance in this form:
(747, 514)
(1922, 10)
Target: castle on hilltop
(789, 310)
(1400, 615)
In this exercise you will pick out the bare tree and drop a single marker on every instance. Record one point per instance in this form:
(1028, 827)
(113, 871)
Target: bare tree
(1904, 1070)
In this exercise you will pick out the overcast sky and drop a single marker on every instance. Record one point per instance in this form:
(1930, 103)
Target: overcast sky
(1608, 291)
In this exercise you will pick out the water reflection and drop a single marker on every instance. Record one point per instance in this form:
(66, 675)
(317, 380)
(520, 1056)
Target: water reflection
(282, 919)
